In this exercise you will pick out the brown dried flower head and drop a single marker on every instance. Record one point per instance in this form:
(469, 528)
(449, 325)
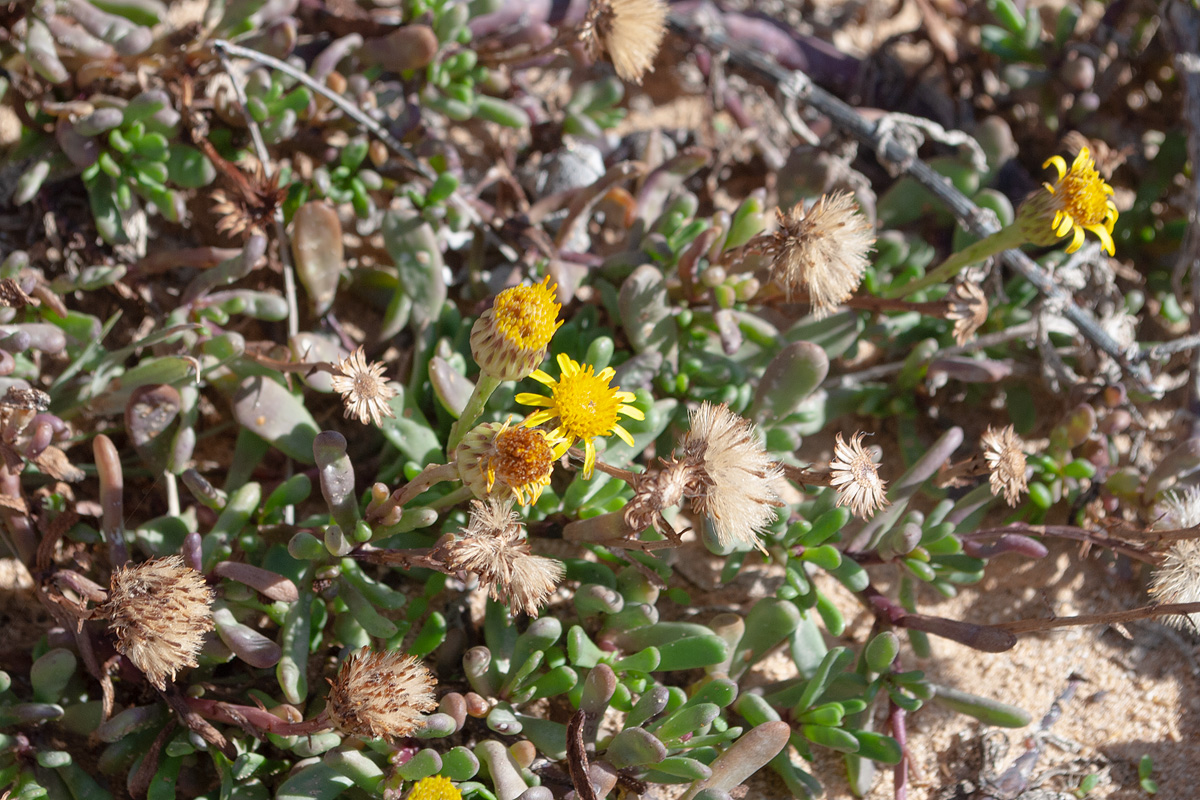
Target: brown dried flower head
(1177, 578)
(364, 391)
(497, 460)
(1006, 461)
(630, 31)
(968, 308)
(822, 252)
(736, 477)
(159, 610)
(493, 547)
(380, 695)
(856, 477)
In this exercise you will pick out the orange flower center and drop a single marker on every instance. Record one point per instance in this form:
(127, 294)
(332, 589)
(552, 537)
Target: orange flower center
(522, 456)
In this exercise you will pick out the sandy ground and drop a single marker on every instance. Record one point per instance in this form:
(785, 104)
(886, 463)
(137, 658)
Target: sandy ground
(1140, 697)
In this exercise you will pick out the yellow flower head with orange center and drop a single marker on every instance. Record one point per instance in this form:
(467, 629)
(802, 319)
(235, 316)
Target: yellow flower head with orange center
(584, 405)
(1080, 201)
(497, 460)
(510, 339)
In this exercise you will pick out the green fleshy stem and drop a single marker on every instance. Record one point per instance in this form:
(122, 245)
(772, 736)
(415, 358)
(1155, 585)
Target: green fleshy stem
(1003, 239)
(475, 405)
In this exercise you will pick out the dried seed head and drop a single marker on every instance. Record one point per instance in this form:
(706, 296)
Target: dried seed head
(159, 610)
(364, 391)
(823, 251)
(12, 295)
(968, 308)
(735, 480)
(380, 695)
(496, 460)
(435, 787)
(1177, 578)
(509, 340)
(492, 547)
(630, 31)
(856, 477)
(1005, 459)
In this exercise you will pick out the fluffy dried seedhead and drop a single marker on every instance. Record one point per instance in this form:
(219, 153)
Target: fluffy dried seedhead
(1177, 578)
(159, 610)
(856, 477)
(363, 388)
(735, 479)
(822, 251)
(1006, 462)
(380, 695)
(493, 547)
(630, 31)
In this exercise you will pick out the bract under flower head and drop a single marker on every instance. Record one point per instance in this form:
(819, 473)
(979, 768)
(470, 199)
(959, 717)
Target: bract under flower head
(1078, 201)
(498, 460)
(510, 339)
(584, 405)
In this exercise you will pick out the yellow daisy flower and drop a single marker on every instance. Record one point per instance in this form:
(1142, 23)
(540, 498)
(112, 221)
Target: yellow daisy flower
(584, 405)
(435, 787)
(1078, 201)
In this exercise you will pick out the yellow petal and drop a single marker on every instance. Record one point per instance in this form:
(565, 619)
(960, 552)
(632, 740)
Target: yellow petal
(606, 374)
(1059, 165)
(538, 417)
(631, 412)
(531, 399)
(542, 377)
(1105, 239)
(589, 459)
(565, 365)
(1065, 227)
(624, 434)
(1076, 240)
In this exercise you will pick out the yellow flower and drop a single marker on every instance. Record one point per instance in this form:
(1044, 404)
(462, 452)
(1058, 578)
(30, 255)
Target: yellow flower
(494, 459)
(435, 787)
(584, 405)
(509, 340)
(1079, 200)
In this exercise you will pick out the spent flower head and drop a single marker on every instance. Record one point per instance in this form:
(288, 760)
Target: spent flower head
(1177, 578)
(967, 307)
(364, 391)
(1079, 200)
(735, 480)
(494, 548)
(160, 611)
(509, 340)
(584, 404)
(630, 31)
(380, 695)
(1006, 463)
(856, 477)
(498, 460)
(822, 251)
